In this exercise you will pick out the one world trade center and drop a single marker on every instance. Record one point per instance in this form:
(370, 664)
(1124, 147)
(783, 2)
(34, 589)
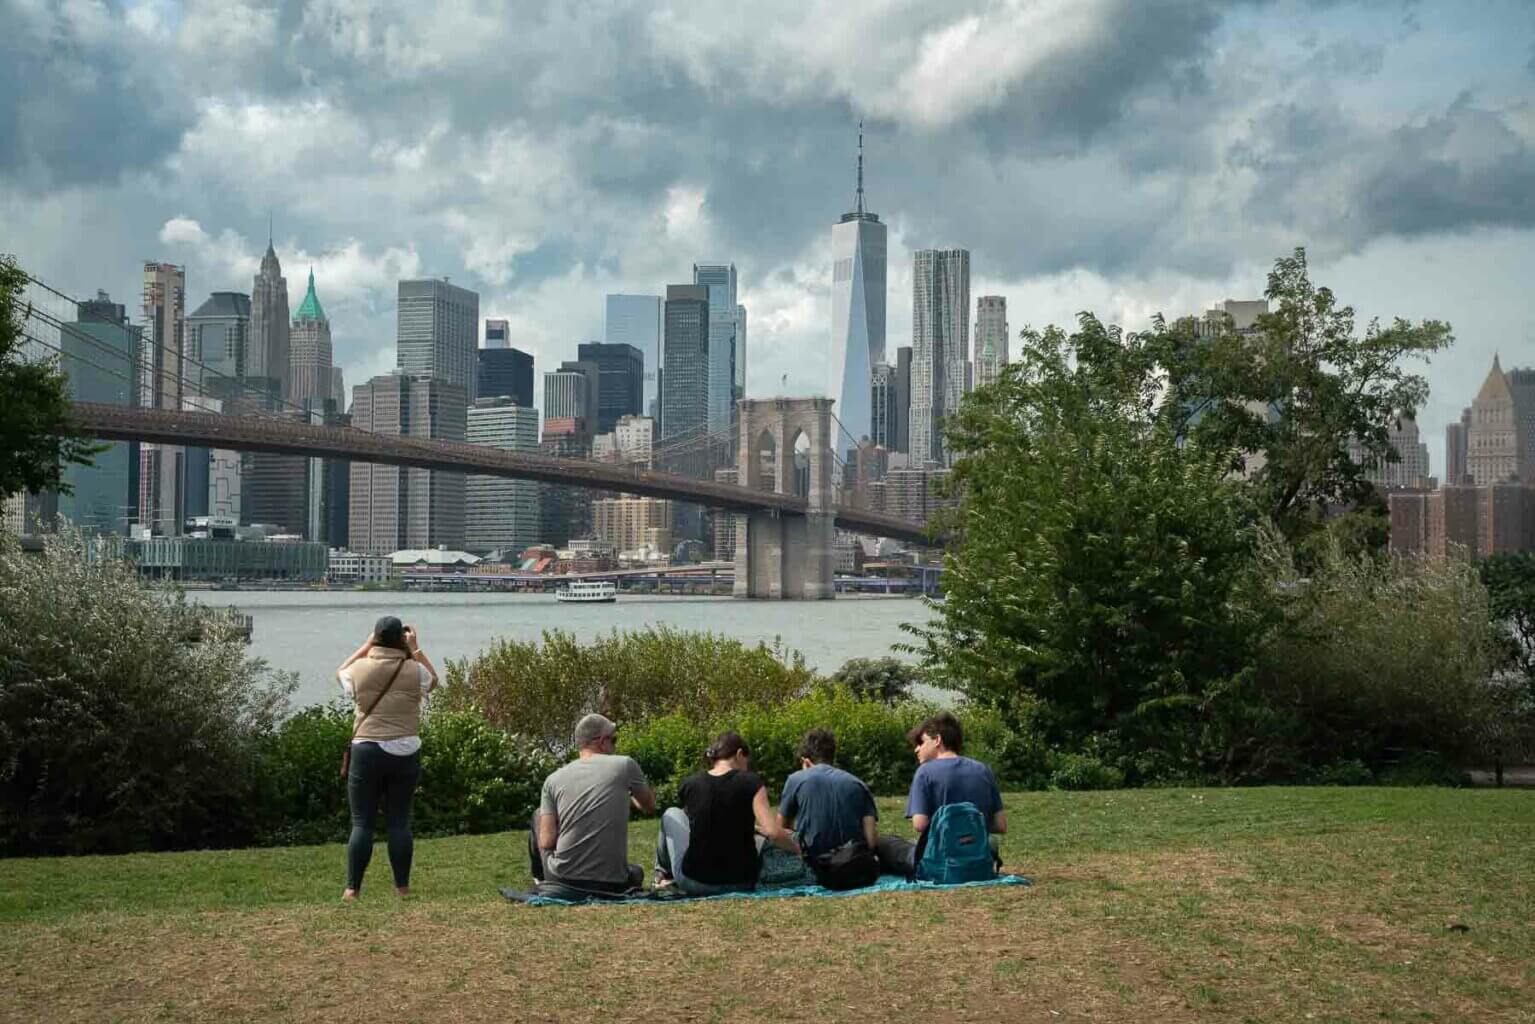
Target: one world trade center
(857, 314)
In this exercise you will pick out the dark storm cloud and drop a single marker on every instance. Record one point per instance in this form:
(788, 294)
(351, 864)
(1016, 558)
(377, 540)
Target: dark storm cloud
(77, 108)
(1465, 168)
(1080, 93)
(1150, 138)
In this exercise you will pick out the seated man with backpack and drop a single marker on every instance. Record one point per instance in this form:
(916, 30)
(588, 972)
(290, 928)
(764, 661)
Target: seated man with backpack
(833, 813)
(955, 806)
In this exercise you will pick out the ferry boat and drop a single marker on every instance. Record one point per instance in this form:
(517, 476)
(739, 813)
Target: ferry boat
(588, 593)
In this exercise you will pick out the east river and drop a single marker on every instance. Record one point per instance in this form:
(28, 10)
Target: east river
(310, 632)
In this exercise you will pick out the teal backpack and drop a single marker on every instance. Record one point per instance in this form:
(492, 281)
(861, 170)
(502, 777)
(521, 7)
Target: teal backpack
(958, 848)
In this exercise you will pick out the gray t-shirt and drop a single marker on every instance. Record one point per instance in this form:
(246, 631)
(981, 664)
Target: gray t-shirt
(589, 797)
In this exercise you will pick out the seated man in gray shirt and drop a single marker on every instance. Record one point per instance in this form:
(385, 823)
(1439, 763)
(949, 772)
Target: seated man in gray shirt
(580, 837)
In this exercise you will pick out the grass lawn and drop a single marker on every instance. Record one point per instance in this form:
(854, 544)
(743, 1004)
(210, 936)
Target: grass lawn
(1230, 905)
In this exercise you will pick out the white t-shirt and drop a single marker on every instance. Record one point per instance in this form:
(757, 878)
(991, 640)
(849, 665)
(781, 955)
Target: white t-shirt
(405, 745)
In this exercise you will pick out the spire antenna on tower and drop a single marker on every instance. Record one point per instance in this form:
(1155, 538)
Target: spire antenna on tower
(859, 205)
(269, 229)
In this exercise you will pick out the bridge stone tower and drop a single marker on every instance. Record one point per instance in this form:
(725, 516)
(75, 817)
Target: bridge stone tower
(786, 447)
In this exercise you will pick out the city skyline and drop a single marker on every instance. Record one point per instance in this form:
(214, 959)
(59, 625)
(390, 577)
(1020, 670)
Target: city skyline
(1369, 134)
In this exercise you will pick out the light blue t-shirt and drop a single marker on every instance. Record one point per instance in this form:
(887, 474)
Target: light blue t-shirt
(828, 806)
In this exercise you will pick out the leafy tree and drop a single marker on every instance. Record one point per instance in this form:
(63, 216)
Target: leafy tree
(887, 680)
(1098, 551)
(1510, 582)
(36, 437)
(1287, 397)
(1375, 655)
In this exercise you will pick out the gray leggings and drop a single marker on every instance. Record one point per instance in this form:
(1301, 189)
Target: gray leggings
(376, 779)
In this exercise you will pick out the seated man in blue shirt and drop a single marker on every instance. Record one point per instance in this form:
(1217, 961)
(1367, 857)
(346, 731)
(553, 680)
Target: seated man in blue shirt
(944, 776)
(829, 808)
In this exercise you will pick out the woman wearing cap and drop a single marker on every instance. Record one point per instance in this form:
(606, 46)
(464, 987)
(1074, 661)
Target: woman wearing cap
(709, 844)
(386, 677)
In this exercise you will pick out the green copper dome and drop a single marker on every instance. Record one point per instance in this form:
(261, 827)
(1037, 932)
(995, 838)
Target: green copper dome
(310, 308)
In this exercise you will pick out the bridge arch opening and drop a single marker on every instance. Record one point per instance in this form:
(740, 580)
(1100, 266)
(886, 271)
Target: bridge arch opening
(799, 482)
(764, 463)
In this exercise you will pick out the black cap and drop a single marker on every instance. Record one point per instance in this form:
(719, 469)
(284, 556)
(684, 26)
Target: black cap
(389, 630)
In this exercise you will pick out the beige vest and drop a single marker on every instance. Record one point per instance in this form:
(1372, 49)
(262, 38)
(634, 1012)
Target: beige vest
(399, 713)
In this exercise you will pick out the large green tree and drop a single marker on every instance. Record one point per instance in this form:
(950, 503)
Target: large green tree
(36, 437)
(1097, 553)
(1288, 396)
(1510, 582)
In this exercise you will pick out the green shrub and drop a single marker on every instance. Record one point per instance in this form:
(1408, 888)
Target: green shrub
(1422, 768)
(1344, 773)
(1375, 655)
(871, 739)
(668, 749)
(302, 797)
(128, 719)
(474, 777)
(887, 680)
(541, 689)
(1079, 771)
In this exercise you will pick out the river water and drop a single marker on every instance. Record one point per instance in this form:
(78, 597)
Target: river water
(310, 632)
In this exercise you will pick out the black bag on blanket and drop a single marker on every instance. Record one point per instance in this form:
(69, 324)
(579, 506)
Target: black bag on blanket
(850, 866)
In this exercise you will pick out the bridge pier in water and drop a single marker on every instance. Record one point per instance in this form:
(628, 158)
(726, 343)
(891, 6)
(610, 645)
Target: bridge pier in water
(786, 556)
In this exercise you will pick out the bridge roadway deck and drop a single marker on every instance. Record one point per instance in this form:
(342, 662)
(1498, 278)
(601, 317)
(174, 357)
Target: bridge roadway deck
(265, 434)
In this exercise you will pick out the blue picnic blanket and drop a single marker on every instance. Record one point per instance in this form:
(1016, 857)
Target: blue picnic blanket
(887, 883)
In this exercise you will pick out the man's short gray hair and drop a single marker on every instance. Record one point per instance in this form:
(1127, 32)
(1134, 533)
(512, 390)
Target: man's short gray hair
(592, 728)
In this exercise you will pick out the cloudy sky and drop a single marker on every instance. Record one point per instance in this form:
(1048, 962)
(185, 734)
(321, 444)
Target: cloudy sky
(1119, 156)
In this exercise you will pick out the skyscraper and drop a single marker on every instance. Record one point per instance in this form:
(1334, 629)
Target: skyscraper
(900, 416)
(160, 466)
(218, 343)
(266, 356)
(101, 358)
(309, 351)
(882, 404)
(857, 312)
(685, 361)
(1492, 443)
(1409, 471)
(395, 507)
(498, 334)
(620, 381)
(501, 514)
(740, 357)
(506, 372)
(1521, 383)
(720, 279)
(438, 333)
(990, 338)
(275, 487)
(1455, 450)
(638, 320)
(565, 397)
(940, 342)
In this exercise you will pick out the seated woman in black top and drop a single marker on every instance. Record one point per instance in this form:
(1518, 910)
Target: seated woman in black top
(709, 844)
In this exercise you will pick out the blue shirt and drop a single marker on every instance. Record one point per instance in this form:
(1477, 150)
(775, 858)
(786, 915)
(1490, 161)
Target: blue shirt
(828, 806)
(953, 780)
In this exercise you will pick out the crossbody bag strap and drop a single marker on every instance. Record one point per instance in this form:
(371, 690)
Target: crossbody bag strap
(381, 694)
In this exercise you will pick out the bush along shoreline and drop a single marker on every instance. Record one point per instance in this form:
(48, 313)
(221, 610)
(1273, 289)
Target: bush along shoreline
(122, 735)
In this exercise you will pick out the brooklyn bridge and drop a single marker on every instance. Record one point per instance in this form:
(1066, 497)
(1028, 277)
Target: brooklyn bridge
(267, 434)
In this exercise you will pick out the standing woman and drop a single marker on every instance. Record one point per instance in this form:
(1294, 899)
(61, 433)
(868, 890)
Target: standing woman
(387, 677)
